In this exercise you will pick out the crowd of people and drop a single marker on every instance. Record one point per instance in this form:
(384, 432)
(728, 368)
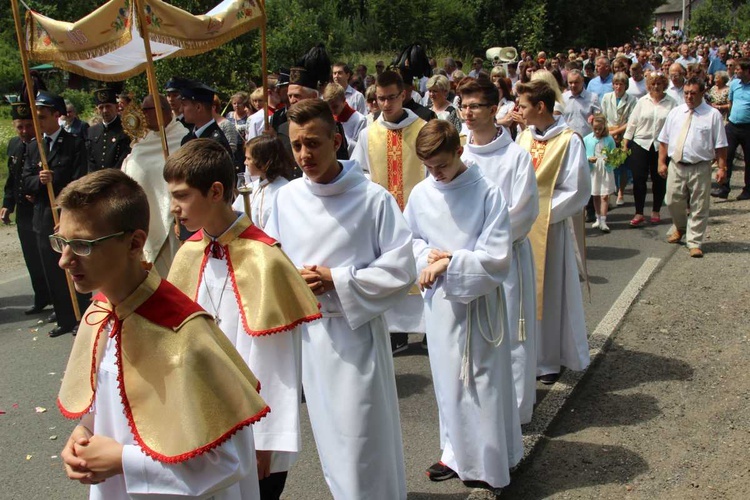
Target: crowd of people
(280, 243)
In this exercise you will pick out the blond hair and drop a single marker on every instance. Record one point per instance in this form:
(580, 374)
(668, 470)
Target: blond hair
(333, 91)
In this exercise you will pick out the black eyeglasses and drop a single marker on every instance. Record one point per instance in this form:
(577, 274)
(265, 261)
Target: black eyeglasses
(475, 106)
(82, 248)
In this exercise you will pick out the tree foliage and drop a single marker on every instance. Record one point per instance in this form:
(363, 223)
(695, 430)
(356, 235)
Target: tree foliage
(711, 18)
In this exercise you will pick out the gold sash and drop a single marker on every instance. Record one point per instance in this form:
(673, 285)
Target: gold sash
(184, 388)
(547, 157)
(393, 159)
(271, 295)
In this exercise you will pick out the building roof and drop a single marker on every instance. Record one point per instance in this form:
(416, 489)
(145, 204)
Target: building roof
(672, 6)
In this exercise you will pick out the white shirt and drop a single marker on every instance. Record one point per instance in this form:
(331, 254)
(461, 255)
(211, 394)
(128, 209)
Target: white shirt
(355, 99)
(677, 94)
(705, 135)
(637, 89)
(352, 127)
(199, 131)
(578, 109)
(647, 120)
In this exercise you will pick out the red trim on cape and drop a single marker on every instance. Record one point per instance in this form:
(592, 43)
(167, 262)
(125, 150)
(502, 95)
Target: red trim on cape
(255, 233)
(197, 236)
(184, 456)
(71, 415)
(345, 114)
(235, 288)
(100, 297)
(168, 306)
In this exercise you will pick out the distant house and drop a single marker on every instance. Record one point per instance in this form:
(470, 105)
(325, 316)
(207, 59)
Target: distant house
(669, 15)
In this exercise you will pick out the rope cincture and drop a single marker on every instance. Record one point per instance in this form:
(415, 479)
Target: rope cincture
(466, 374)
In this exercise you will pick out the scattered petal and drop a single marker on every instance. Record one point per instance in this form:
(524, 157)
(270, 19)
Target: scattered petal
(28, 457)
(53, 428)
(34, 339)
(53, 456)
(53, 438)
(15, 406)
(40, 409)
(2, 412)
(40, 322)
(52, 373)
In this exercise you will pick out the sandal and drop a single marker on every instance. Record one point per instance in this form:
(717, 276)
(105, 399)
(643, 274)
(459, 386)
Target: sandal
(637, 222)
(655, 218)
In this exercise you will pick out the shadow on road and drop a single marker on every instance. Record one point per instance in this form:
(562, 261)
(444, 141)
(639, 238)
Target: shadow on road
(610, 253)
(585, 464)
(12, 307)
(726, 246)
(408, 384)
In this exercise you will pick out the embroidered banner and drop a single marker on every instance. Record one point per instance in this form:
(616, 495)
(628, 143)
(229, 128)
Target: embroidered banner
(107, 44)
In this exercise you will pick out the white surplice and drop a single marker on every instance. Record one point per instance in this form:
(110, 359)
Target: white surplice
(480, 429)
(509, 166)
(261, 200)
(354, 227)
(145, 164)
(407, 315)
(226, 473)
(562, 339)
(352, 128)
(274, 360)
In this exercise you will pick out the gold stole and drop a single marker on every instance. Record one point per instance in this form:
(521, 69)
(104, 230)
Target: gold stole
(393, 159)
(547, 157)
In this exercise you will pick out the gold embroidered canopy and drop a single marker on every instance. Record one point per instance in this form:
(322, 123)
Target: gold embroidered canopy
(107, 45)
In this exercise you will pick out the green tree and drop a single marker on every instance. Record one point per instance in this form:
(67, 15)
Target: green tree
(711, 18)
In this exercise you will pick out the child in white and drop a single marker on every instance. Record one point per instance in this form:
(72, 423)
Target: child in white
(602, 178)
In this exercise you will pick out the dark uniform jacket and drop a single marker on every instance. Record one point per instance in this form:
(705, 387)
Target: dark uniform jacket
(67, 160)
(215, 133)
(13, 197)
(108, 146)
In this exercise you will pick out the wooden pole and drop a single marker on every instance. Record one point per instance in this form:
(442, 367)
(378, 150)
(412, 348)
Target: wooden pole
(264, 69)
(39, 142)
(151, 76)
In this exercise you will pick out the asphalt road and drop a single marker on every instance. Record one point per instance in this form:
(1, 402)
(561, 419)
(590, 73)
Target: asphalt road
(31, 365)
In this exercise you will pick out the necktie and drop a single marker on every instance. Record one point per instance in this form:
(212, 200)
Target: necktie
(48, 143)
(679, 148)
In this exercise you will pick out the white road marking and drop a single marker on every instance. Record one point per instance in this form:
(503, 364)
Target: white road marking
(558, 393)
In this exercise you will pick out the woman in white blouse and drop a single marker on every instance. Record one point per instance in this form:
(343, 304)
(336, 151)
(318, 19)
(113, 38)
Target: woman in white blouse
(616, 108)
(644, 125)
(267, 161)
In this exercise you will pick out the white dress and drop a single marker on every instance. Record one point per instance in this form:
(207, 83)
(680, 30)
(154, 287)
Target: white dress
(602, 178)
(225, 473)
(509, 166)
(274, 360)
(466, 319)
(354, 227)
(562, 339)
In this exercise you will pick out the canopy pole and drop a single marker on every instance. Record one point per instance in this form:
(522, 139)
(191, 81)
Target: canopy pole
(39, 142)
(151, 76)
(264, 69)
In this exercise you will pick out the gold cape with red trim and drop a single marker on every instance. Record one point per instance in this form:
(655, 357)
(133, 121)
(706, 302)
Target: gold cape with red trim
(271, 295)
(184, 388)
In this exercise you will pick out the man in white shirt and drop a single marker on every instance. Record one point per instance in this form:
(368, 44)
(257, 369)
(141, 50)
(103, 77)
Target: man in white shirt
(341, 75)
(692, 137)
(676, 82)
(642, 58)
(685, 58)
(580, 104)
(637, 82)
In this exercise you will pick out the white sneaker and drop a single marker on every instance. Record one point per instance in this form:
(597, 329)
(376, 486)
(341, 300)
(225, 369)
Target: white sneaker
(596, 223)
(603, 227)
(620, 202)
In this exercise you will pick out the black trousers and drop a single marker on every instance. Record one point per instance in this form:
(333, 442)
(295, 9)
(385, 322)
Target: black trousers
(642, 163)
(58, 285)
(30, 250)
(738, 135)
(272, 487)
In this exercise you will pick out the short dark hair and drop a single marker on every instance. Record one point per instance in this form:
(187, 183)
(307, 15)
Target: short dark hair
(700, 82)
(271, 156)
(388, 78)
(538, 91)
(438, 136)
(343, 66)
(119, 200)
(308, 110)
(200, 163)
(483, 86)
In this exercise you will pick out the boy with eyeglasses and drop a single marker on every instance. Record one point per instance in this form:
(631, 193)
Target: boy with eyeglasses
(256, 295)
(386, 150)
(164, 400)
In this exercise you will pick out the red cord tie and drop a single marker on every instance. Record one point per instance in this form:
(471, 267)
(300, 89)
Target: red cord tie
(216, 250)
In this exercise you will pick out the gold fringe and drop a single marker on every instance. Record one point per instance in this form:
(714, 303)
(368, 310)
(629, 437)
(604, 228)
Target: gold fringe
(191, 47)
(53, 54)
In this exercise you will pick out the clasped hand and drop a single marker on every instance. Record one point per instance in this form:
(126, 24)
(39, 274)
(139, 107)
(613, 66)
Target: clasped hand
(437, 264)
(318, 278)
(89, 458)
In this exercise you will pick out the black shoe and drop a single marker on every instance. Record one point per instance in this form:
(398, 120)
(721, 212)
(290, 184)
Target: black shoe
(62, 330)
(34, 310)
(52, 318)
(440, 472)
(744, 195)
(399, 342)
(549, 379)
(590, 216)
(424, 342)
(720, 192)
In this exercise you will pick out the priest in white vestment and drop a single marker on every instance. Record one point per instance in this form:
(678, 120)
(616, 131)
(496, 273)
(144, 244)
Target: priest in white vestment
(463, 248)
(564, 185)
(145, 164)
(353, 247)
(508, 166)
